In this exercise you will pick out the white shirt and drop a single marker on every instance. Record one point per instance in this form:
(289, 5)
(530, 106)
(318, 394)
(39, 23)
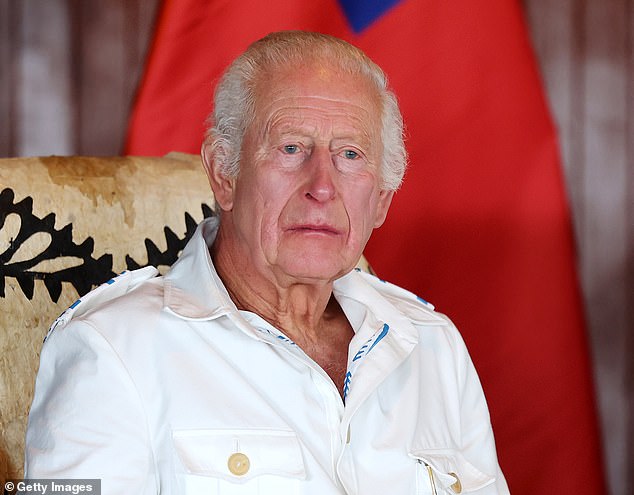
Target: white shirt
(161, 385)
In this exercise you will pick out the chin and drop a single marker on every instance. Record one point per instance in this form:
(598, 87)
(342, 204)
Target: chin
(315, 269)
(315, 261)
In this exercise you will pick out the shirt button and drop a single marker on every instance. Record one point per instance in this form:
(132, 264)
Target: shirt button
(238, 464)
(457, 486)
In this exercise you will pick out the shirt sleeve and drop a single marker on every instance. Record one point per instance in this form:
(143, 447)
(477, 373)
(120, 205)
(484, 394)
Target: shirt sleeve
(478, 443)
(87, 419)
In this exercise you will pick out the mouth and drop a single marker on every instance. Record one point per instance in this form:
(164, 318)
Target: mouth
(314, 229)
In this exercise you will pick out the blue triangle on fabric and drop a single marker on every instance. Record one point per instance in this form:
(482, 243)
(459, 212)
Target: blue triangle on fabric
(362, 13)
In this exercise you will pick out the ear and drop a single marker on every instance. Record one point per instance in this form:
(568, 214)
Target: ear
(221, 185)
(385, 200)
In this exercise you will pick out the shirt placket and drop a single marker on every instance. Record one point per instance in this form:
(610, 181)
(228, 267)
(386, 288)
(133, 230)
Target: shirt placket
(327, 390)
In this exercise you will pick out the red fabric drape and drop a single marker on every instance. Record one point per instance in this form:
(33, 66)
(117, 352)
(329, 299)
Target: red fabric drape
(481, 226)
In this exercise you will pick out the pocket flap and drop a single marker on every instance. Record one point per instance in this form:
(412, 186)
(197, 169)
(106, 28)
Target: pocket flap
(453, 471)
(239, 455)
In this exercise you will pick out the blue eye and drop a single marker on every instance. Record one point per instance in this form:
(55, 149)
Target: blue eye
(291, 149)
(350, 154)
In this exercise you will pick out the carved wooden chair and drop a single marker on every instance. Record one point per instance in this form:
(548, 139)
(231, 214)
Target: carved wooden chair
(68, 224)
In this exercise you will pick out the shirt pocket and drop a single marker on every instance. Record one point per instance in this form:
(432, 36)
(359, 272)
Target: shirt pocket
(239, 461)
(447, 472)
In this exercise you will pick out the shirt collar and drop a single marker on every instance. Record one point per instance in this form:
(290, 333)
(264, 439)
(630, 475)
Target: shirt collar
(193, 289)
(360, 293)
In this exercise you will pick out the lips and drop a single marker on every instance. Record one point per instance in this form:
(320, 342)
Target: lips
(309, 228)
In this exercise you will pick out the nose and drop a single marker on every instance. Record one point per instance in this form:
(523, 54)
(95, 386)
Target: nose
(320, 184)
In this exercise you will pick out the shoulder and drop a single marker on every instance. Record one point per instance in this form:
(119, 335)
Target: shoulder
(434, 331)
(409, 304)
(131, 290)
(412, 314)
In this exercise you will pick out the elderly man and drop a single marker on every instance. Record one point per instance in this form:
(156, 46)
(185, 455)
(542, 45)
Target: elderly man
(263, 362)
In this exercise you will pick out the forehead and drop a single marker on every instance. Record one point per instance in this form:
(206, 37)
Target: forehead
(320, 87)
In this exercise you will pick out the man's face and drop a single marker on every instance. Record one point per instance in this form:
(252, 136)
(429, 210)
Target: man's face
(307, 196)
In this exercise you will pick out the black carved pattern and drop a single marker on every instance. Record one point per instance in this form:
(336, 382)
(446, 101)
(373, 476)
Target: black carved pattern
(155, 256)
(90, 272)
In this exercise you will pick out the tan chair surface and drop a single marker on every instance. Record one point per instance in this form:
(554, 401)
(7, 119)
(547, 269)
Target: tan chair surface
(68, 224)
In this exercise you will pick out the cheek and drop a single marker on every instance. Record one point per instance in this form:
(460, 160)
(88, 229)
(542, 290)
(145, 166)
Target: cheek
(255, 192)
(269, 198)
(362, 212)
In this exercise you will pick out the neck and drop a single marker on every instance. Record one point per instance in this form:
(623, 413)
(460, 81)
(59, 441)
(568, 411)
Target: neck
(301, 309)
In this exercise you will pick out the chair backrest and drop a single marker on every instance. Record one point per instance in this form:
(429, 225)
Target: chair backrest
(68, 224)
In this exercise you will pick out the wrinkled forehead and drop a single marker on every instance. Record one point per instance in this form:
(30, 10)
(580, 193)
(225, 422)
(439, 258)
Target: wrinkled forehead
(318, 81)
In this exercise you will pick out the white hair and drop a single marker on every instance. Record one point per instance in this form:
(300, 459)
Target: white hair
(234, 99)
